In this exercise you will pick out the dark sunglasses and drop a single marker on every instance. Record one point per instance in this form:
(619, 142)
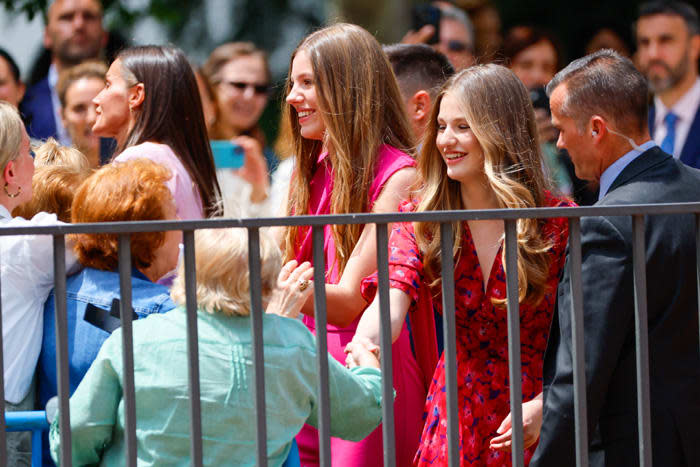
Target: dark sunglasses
(261, 89)
(457, 46)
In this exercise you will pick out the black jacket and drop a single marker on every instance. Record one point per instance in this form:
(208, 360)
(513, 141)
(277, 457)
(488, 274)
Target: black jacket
(608, 302)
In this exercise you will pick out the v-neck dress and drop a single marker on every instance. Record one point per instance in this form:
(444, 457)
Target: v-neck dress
(410, 393)
(482, 341)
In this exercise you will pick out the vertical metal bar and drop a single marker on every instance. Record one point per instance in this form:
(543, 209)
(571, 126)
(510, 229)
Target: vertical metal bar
(515, 371)
(59, 272)
(3, 425)
(641, 340)
(386, 340)
(192, 350)
(37, 448)
(580, 412)
(127, 348)
(256, 329)
(324, 412)
(450, 341)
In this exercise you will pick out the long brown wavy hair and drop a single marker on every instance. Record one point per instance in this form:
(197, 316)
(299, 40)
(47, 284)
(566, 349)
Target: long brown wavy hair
(498, 110)
(362, 109)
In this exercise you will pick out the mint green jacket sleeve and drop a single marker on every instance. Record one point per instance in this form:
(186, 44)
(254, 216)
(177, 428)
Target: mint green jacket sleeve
(93, 408)
(356, 397)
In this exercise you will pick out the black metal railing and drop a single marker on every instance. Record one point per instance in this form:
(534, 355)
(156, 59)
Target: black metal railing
(445, 218)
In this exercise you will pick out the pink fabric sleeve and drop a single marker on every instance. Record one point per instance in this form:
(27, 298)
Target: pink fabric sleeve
(186, 195)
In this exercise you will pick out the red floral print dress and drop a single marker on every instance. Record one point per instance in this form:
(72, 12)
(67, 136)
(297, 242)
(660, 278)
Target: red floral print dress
(482, 343)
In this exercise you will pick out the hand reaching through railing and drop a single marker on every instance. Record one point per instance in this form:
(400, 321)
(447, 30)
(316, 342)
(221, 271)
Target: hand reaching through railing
(294, 285)
(532, 423)
(362, 352)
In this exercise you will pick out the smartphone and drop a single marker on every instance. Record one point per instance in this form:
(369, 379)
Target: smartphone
(539, 98)
(426, 14)
(227, 155)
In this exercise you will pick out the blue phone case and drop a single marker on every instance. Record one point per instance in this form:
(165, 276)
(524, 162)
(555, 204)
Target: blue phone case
(226, 154)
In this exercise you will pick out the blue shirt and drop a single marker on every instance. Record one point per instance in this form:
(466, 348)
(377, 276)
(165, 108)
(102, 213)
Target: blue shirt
(616, 168)
(99, 288)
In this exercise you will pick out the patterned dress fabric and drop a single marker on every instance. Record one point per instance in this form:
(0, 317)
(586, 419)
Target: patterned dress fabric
(482, 342)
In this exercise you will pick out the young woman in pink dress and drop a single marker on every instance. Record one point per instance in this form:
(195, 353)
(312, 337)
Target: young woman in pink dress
(480, 152)
(352, 146)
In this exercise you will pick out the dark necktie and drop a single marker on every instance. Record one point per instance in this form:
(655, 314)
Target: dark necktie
(667, 144)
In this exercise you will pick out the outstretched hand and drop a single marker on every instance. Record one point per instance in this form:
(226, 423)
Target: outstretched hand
(532, 423)
(294, 286)
(361, 352)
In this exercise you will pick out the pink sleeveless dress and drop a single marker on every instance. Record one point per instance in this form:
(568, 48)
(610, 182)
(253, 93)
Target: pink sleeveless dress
(407, 382)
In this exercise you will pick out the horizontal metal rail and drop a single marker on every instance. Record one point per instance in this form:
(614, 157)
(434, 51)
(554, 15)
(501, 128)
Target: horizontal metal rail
(386, 218)
(446, 219)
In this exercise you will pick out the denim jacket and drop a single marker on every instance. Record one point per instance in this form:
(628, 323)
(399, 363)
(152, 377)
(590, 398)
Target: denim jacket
(99, 288)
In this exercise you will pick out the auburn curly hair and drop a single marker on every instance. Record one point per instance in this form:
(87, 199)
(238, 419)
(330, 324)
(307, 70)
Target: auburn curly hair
(134, 190)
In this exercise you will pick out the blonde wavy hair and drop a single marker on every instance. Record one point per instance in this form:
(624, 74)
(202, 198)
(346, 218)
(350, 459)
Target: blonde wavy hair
(361, 107)
(498, 109)
(223, 277)
(52, 153)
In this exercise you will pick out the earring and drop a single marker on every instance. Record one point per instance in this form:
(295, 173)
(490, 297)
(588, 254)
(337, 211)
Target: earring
(12, 195)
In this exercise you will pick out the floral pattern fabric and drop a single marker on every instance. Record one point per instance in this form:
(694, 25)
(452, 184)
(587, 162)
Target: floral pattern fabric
(482, 343)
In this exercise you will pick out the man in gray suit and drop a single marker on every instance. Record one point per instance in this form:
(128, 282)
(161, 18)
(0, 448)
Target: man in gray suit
(599, 105)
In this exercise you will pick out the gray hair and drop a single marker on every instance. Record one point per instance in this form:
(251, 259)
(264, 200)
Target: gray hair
(456, 14)
(222, 274)
(604, 83)
(10, 133)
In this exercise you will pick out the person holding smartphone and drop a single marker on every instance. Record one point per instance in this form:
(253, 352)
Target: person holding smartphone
(238, 80)
(447, 29)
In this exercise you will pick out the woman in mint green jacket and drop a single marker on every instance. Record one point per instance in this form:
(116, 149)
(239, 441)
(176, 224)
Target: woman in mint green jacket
(225, 365)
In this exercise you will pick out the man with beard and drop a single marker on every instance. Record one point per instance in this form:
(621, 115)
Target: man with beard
(73, 34)
(668, 46)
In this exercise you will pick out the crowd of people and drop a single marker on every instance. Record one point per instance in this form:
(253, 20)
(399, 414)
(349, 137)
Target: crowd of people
(425, 125)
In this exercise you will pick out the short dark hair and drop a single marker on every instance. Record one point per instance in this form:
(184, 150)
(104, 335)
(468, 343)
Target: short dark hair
(682, 9)
(604, 83)
(14, 69)
(418, 66)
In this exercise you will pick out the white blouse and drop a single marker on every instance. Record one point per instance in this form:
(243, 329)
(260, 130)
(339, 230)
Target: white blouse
(26, 272)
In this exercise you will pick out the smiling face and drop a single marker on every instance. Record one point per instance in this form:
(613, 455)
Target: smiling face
(241, 93)
(113, 114)
(302, 96)
(458, 146)
(79, 114)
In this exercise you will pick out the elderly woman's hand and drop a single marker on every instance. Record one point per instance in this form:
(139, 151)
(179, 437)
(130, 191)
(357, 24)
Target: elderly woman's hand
(294, 285)
(361, 352)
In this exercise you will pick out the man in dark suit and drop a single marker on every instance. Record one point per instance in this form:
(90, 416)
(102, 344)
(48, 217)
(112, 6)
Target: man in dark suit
(73, 33)
(599, 104)
(668, 47)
